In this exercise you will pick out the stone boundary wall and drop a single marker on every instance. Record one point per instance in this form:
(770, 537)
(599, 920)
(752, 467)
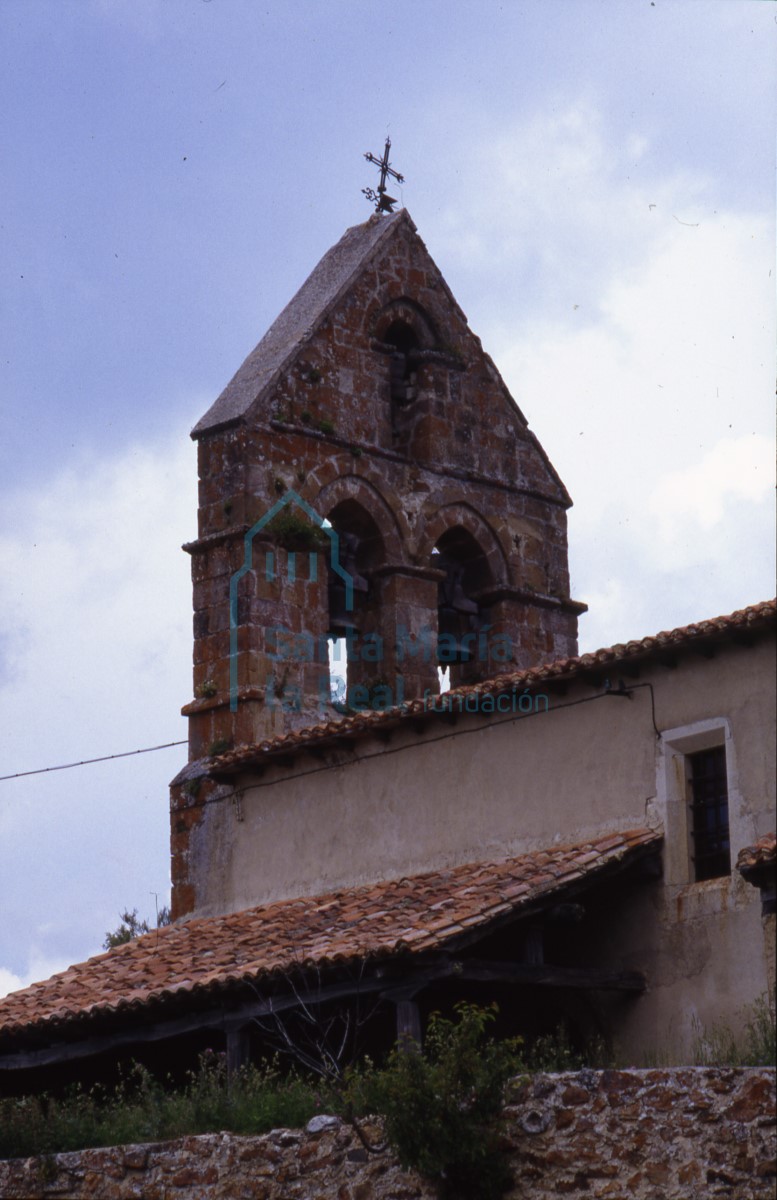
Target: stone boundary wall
(668, 1134)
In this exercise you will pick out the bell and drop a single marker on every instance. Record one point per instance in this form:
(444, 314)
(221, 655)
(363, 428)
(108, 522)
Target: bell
(341, 617)
(453, 590)
(349, 549)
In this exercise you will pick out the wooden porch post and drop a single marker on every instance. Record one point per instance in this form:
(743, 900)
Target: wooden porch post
(409, 1036)
(238, 1051)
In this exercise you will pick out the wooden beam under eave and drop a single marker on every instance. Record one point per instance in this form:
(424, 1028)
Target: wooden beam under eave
(410, 978)
(215, 1019)
(546, 975)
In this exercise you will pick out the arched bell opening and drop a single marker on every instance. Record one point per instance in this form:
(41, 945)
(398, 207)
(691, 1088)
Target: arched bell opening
(353, 623)
(403, 363)
(404, 331)
(461, 620)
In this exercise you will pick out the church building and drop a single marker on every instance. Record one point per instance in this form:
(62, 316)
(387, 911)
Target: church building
(459, 806)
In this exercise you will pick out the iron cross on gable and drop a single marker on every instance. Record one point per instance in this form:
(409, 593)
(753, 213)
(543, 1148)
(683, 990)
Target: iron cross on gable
(382, 201)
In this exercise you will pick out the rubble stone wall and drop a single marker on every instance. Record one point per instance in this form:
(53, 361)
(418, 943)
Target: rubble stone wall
(670, 1134)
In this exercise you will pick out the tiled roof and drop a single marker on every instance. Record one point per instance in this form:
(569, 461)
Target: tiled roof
(299, 319)
(754, 861)
(200, 958)
(740, 623)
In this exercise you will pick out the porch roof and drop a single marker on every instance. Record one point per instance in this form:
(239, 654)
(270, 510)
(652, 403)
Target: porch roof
(198, 962)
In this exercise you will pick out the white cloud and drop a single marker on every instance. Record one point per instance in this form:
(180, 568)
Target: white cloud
(557, 206)
(734, 469)
(94, 580)
(38, 967)
(631, 315)
(657, 413)
(96, 597)
(9, 982)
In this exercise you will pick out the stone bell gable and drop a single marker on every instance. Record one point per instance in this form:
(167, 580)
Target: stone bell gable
(369, 409)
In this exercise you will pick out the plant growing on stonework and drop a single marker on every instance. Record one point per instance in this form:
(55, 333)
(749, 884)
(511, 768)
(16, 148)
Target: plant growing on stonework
(750, 1043)
(206, 690)
(326, 426)
(443, 1108)
(293, 532)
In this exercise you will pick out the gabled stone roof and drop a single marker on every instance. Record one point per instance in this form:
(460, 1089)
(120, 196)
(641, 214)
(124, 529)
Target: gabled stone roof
(206, 957)
(334, 274)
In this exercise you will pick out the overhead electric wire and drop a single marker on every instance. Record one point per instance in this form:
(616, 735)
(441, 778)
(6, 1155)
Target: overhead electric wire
(237, 793)
(331, 766)
(86, 761)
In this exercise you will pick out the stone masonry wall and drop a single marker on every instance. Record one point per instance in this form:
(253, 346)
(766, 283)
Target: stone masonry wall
(455, 467)
(463, 459)
(669, 1134)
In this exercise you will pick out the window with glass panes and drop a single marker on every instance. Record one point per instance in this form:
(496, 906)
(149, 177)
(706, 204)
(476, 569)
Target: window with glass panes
(708, 797)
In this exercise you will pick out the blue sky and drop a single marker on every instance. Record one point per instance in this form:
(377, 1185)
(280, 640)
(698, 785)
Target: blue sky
(595, 180)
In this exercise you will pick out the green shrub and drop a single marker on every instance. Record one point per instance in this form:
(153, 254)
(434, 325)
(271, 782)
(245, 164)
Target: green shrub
(133, 926)
(141, 1109)
(554, 1052)
(443, 1107)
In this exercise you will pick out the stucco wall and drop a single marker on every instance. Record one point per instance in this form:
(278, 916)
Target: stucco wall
(491, 787)
(687, 1134)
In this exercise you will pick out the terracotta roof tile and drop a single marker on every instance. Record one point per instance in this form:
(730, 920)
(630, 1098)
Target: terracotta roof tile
(755, 862)
(757, 616)
(205, 955)
(764, 851)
